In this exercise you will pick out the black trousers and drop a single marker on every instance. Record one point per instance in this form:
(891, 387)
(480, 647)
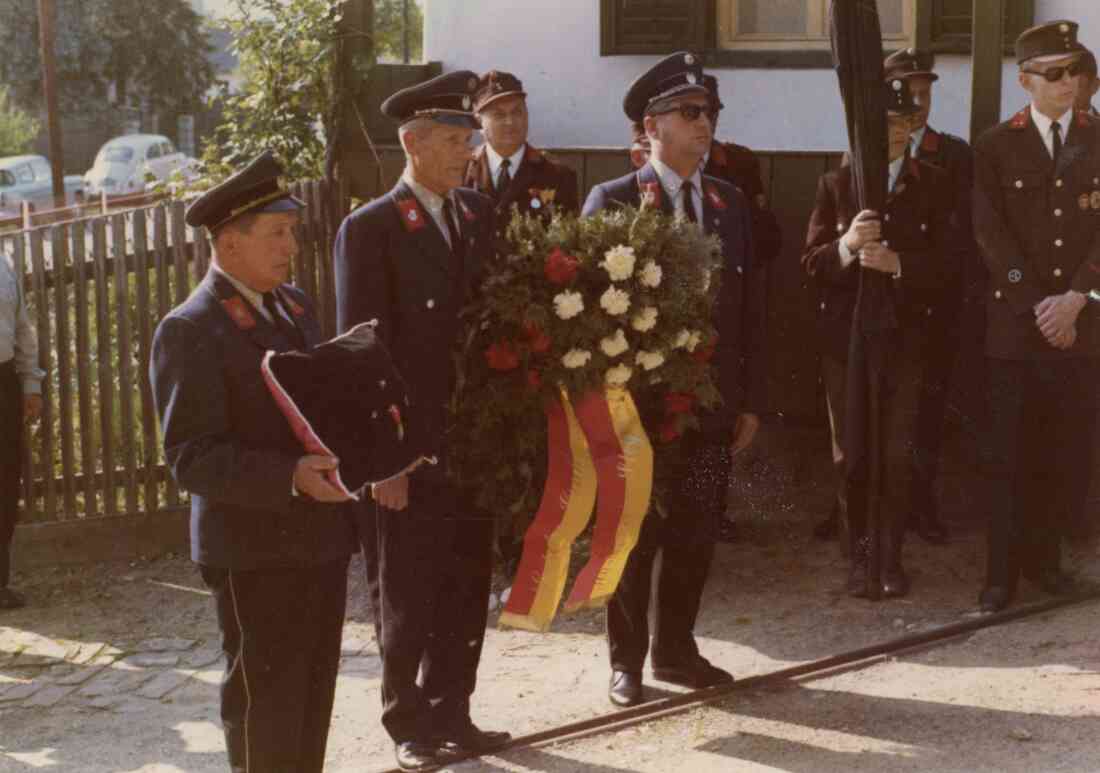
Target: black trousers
(11, 452)
(281, 631)
(930, 360)
(685, 540)
(428, 577)
(1037, 460)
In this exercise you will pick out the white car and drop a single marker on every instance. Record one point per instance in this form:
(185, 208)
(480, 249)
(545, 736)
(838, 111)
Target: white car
(126, 165)
(28, 178)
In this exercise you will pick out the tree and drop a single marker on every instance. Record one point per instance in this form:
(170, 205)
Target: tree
(390, 33)
(17, 129)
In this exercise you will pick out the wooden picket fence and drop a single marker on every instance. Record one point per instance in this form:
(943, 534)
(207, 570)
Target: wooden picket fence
(96, 289)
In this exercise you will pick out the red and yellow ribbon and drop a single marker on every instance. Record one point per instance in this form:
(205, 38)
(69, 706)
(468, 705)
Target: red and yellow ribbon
(599, 445)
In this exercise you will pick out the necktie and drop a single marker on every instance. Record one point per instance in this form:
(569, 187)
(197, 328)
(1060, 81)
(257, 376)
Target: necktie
(689, 202)
(505, 178)
(452, 228)
(282, 324)
(1056, 131)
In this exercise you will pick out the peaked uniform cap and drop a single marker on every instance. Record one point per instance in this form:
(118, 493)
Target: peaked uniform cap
(911, 63)
(345, 398)
(495, 85)
(680, 73)
(252, 190)
(1053, 40)
(712, 88)
(447, 99)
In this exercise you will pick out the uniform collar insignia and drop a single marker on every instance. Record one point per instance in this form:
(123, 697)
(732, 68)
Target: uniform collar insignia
(237, 309)
(1020, 120)
(931, 141)
(412, 216)
(1081, 119)
(718, 153)
(533, 154)
(715, 197)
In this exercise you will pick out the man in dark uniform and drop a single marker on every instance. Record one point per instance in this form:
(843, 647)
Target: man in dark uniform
(1036, 217)
(271, 535)
(671, 102)
(1088, 85)
(507, 167)
(411, 259)
(915, 242)
(20, 400)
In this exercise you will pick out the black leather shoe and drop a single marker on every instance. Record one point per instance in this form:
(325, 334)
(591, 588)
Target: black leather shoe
(9, 599)
(696, 674)
(994, 598)
(415, 755)
(895, 583)
(828, 528)
(626, 688)
(470, 739)
(928, 527)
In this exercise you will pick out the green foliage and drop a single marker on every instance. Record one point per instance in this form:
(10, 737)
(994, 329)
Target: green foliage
(287, 50)
(151, 49)
(516, 349)
(389, 30)
(17, 128)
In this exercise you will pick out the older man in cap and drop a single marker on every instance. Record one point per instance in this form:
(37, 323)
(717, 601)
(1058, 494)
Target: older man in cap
(672, 103)
(271, 535)
(1089, 84)
(916, 243)
(410, 260)
(1036, 219)
(513, 172)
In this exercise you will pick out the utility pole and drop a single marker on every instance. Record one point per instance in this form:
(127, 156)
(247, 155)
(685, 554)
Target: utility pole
(988, 56)
(46, 11)
(405, 32)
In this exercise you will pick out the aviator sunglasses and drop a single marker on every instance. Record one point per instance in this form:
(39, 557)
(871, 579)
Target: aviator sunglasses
(688, 112)
(1054, 74)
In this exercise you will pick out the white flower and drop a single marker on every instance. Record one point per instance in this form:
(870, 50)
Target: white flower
(614, 345)
(645, 320)
(650, 360)
(706, 281)
(651, 274)
(568, 304)
(618, 375)
(619, 262)
(576, 358)
(687, 339)
(615, 301)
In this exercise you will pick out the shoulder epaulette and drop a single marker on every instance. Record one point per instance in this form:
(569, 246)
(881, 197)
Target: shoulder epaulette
(1020, 120)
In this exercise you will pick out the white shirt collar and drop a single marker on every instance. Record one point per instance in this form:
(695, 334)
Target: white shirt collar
(916, 139)
(672, 182)
(250, 295)
(495, 160)
(429, 199)
(895, 170)
(1043, 124)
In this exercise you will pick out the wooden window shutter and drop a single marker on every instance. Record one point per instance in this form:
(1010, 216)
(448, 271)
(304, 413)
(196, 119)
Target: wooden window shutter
(948, 24)
(654, 26)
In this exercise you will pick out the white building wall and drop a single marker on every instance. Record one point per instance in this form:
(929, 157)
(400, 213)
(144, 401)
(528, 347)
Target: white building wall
(575, 96)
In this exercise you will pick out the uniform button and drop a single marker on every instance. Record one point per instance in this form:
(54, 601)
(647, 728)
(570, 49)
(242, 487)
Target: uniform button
(885, 242)
(1057, 272)
(1019, 183)
(887, 217)
(1057, 213)
(430, 303)
(1057, 183)
(740, 270)
(839, 227)
(928, 311)
(924, 226)
(823, 305)
(1057, 242)
(997, 294)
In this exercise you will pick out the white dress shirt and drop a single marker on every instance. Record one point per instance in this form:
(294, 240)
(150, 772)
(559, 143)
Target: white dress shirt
(431, 201)
(255, 299)
(673, 185)
(915, 140)
(495, 161)
(18, 336)
(1044, 124)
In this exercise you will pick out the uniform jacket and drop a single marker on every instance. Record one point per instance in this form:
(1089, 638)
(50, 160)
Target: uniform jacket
(955, 157)
(739, 166)
(393, 264)
(539, 179)
(1037, 229)
(226, 441)
(918, 225)
(738, 358)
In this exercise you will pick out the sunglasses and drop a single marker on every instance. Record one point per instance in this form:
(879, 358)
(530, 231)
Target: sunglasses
(688, 112)
(1054, 74)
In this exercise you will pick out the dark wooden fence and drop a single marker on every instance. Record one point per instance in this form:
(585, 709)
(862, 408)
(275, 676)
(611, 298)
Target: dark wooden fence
(96, 290)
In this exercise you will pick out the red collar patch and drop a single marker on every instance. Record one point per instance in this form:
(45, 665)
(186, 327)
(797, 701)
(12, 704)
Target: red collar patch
(716, 199)
(931, 141)
(1081, 119)
(412, 217)
(533, 154)
(651, 194)
(238, 311)
(466, 211)
(718, 154)
(1019, 121)
(914, 167)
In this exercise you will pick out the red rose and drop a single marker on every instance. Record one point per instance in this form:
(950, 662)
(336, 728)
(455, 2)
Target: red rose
(502, 355)
(560, 268)
(536, 339)
(534, 380)
(705, 353)
(679, 402)
(669, 430)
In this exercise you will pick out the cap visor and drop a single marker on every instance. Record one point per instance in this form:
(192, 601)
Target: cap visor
(285, 204)
(678, 91)
(1053, 57)
(465, 120)
(917, 74)
(495, 97)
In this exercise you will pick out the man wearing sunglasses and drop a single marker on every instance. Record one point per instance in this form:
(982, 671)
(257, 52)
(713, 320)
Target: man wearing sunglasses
(1036, 218)
(670, 102)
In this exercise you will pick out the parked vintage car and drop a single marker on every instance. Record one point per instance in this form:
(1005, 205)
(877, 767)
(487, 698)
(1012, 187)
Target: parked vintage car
(127, 165)
(28, 178)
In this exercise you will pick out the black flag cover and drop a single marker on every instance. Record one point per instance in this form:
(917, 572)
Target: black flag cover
(344, 398)
(857, 55)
